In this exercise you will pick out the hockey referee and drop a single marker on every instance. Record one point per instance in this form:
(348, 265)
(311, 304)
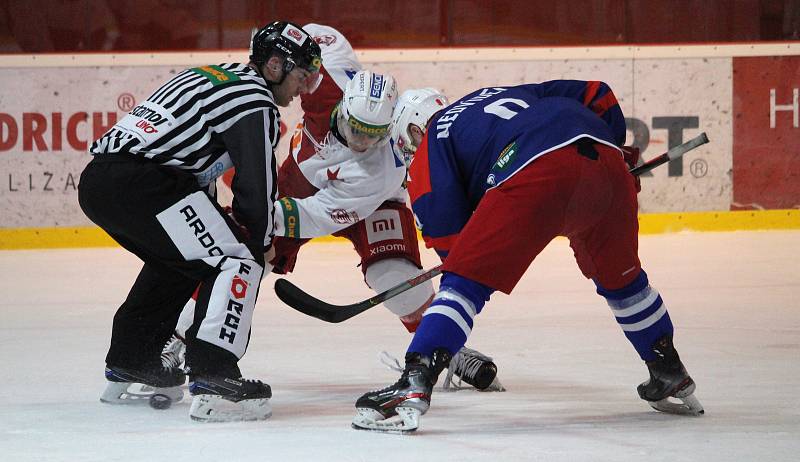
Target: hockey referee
(150, 186)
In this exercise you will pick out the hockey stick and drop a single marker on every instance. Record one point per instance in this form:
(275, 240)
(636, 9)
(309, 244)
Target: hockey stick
(314, 307)
(672, 154)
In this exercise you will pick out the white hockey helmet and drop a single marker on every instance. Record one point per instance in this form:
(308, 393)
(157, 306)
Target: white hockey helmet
(365, 114)
(415, 107)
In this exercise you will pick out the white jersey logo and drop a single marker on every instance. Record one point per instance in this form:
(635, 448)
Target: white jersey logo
(384, 225)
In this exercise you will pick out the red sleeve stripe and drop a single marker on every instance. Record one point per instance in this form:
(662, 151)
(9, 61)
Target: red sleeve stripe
(591, 91)
(604, 104)
(419, 173)
(441, 244)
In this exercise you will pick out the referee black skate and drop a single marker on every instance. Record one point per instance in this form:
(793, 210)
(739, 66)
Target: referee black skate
(150, 186)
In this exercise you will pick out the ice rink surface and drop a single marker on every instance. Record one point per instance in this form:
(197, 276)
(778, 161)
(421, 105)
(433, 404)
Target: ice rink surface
(571, 374)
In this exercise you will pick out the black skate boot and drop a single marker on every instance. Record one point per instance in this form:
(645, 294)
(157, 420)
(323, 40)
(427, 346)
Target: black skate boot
(474, 368)
(397, 408)
(216, 398)
(669, 379)
(158, 386)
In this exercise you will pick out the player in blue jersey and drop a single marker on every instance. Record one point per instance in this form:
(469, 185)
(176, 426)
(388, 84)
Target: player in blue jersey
(545, 160)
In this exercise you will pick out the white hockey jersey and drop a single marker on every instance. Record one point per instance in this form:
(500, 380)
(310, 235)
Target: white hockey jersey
(326, 187)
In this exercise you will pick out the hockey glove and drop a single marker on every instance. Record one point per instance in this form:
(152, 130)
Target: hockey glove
(232, 217)
(633, 158)
(285, 253)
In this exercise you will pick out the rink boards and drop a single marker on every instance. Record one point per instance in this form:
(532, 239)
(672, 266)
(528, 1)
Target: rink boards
(745, 97)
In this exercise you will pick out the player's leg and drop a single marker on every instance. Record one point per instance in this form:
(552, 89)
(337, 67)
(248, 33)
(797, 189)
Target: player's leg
(133, 369)
(387, 243)
(607, 252)
(511, 225)
(388, 246)
(165, 220)
(486, 256)
(140, 326)
(223, 312)
(147, 317)
(383, 274)
(398, 407)
(173, 352)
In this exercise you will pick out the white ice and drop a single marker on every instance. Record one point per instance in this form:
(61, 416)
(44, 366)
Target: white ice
(571, 374)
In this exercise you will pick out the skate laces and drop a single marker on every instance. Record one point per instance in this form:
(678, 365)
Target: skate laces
(464, 365)
(390, 362)
(173, 353)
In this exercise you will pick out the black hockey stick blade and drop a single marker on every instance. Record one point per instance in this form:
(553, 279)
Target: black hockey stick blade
(295, 297)
(314, 307)
(672, 154)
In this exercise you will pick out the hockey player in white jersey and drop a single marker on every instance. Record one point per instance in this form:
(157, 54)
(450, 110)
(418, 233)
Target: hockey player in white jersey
(345, 176)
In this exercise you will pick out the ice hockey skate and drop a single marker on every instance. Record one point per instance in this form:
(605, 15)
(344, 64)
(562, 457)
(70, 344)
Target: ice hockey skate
(159, 387)
(397, 408)
(225, 399)
(468, 366)
(174, 352)
(474, 368)
(669, 389)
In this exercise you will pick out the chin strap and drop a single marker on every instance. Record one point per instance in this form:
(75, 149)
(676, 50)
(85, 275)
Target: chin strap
(334, 126)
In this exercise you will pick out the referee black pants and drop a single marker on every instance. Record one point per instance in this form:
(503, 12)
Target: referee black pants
(184, 239)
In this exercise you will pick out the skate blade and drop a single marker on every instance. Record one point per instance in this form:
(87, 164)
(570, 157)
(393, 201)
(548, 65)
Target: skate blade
(215, 408)
(137, 393)
(495, 386)
(406, 421)
(451, 386)
(688, 405)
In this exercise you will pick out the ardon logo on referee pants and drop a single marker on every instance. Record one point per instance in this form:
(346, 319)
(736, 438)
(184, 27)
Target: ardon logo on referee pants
(200, 232)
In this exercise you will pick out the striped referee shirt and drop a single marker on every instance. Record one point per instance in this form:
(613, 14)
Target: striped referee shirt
(206, 120)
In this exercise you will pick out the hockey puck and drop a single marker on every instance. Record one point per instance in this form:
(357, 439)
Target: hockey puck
(159, 401)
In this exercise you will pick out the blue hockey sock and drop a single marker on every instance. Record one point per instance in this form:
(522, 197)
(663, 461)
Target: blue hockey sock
(640, 313)
(448, 321)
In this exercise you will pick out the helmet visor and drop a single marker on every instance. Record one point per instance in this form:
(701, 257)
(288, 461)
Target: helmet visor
(315, 76)
(309, 81)
(312, 82)
(361, 136)
(310, 74)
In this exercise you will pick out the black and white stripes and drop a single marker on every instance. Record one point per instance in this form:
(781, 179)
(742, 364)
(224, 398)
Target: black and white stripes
(196, 110)
(204, 121)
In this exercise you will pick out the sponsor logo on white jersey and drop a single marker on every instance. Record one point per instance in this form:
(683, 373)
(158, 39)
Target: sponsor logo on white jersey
(326, 39)
(343, 216)
(384, 225)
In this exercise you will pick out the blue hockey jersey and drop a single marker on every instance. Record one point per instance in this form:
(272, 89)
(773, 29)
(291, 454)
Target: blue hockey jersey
(487, 136)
